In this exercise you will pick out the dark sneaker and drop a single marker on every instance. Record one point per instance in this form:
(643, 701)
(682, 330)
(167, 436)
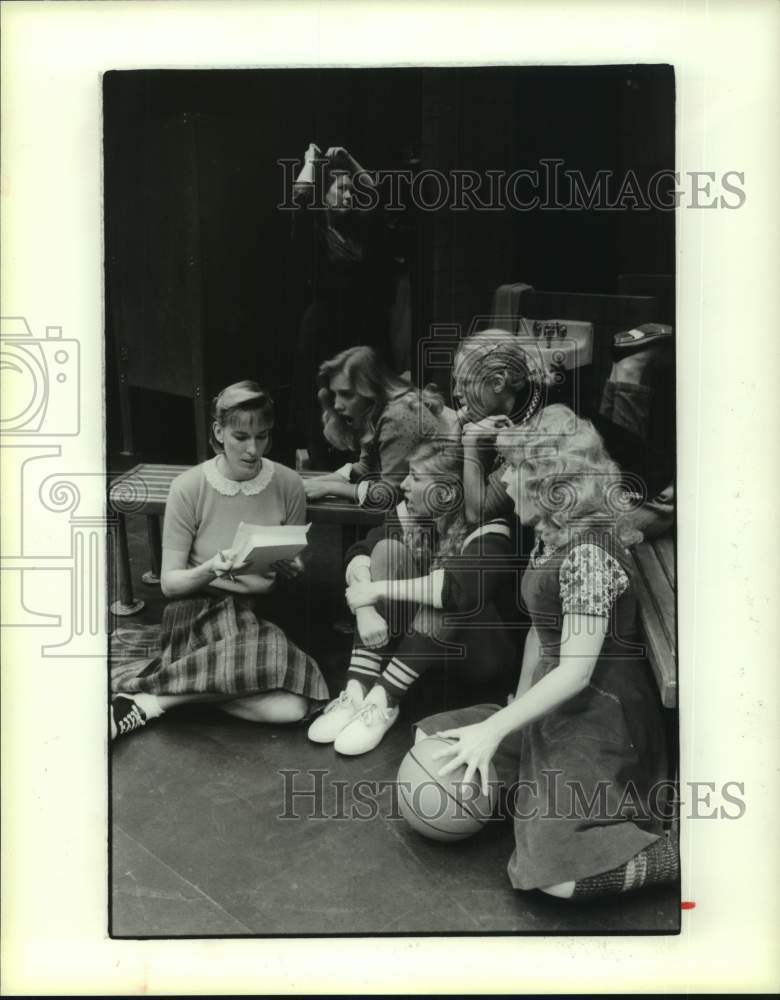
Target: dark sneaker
(640, 337)
(126, 715)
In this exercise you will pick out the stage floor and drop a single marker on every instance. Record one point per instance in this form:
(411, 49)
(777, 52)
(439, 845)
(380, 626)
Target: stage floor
(198, 847)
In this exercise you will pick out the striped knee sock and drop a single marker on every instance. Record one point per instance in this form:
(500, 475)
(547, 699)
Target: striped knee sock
(396, 679)
(365, 666)
(660, 862)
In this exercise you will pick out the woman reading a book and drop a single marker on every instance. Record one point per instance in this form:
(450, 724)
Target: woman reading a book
(214, 647)
(368, 409)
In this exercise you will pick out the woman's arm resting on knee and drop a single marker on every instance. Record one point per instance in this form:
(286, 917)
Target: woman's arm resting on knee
(371, 626)
(423, 590)
(450, 587)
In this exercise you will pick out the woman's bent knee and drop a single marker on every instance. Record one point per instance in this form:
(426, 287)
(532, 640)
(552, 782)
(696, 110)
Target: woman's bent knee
(389, 560)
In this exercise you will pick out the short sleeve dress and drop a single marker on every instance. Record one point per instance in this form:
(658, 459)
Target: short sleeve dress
(583, 779)
(215, 642)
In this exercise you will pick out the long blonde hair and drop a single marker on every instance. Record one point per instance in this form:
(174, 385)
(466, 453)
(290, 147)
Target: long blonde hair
(370, 377)
(567, 478)
(442, 460)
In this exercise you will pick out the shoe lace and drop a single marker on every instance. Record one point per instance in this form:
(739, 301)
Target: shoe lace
(343, 701)
(132, 719)
(371, 713)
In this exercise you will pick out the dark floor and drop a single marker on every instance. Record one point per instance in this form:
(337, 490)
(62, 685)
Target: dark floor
(199, 847)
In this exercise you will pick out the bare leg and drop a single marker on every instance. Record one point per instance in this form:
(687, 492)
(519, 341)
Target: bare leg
(391, 560)
(167, 701)
(270, 706)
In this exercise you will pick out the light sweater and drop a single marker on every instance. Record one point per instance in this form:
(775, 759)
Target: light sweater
(204, 508)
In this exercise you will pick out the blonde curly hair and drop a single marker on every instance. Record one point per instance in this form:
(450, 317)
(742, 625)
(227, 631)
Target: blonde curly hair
(567, 481)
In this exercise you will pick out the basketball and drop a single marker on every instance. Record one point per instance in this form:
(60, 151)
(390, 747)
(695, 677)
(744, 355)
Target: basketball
(441, 808)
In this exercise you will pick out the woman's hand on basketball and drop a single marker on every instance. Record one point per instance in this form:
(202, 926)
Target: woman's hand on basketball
(361, 595)
(290, 569)
(372, 628)
(475, 748)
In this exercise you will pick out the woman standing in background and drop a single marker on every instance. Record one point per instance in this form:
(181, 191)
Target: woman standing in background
(340, 250)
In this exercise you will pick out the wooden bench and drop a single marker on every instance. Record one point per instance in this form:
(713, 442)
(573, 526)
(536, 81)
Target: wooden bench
(144, 490)
(654, 581)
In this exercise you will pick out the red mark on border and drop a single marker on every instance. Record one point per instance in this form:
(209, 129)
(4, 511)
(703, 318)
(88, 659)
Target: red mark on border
(687, 905)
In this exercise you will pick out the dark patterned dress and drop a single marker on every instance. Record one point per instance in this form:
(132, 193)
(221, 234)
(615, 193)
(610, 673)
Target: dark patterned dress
(584, 780)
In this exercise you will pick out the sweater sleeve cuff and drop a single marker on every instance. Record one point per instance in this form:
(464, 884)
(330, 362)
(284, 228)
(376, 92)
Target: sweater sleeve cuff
(355, 563)
(438, 577)
(362, 492)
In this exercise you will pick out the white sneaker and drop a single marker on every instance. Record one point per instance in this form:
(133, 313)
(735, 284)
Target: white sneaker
(366, 730)
(337, 714)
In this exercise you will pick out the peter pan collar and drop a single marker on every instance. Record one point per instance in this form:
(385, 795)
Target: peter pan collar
(232, 487)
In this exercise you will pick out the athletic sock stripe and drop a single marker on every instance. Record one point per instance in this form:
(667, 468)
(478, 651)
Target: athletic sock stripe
(402, 668)
(398, 679)
(364, 670)
(367, 661)
(366, 654)
(394, 683)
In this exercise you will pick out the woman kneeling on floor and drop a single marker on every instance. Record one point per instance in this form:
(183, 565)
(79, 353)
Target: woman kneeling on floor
(418, 570)
(582, 742)
(213, 645)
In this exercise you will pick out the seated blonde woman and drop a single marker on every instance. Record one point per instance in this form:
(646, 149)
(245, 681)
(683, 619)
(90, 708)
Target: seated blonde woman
(215, 644)
(408, 583)
(582, 743)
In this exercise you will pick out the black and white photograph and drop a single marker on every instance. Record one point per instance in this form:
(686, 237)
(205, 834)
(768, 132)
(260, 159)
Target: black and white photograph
(390, 391)
(389, 548)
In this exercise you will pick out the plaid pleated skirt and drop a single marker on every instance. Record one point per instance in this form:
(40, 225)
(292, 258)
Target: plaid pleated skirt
(219, 646)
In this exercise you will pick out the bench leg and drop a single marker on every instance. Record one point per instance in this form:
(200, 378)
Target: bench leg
(127, 604)
(152, 576)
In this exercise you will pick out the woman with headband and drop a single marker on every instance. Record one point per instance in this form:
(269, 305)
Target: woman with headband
(214, 647)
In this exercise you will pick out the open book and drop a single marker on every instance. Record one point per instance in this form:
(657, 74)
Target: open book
(261, 545)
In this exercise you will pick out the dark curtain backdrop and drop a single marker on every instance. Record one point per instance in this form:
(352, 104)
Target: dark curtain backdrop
(200, 282)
